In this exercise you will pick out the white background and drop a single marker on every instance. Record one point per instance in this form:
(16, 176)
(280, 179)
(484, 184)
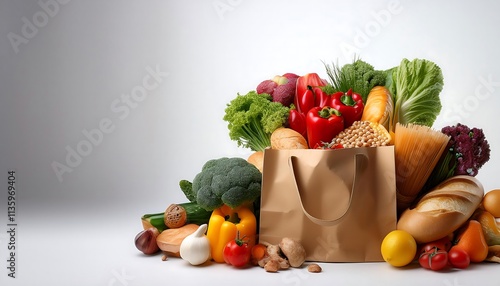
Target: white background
(68, 67)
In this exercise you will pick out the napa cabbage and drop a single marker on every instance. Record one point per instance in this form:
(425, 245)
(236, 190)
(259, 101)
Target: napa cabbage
(415, 86)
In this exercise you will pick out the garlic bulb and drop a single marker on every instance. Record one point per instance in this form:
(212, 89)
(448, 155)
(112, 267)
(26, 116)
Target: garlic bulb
(195, 248)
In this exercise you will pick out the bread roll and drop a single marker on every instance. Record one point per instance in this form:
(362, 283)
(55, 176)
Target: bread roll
(287, 138)
(442, 210)
(257, 159)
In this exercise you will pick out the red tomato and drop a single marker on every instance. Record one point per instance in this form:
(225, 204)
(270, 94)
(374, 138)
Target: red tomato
(442, 244)
(237, 253)
(458, 258)
(434, 259)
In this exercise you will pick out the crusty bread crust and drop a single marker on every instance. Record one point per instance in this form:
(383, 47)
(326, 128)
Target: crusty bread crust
(443, 210)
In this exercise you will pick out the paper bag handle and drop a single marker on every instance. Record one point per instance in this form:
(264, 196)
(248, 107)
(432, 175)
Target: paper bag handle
(329, 222)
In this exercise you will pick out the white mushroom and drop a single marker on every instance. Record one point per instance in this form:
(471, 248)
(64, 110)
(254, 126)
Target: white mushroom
(293, 250)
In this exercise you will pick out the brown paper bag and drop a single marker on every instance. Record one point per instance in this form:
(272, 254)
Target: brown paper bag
(340, 204)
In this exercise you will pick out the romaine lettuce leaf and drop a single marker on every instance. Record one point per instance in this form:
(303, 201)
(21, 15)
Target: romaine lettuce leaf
(416, 86)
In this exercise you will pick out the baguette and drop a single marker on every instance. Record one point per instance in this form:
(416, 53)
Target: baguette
(443, 209)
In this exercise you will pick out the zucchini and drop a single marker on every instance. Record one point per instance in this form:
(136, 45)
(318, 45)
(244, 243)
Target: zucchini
(177, 215)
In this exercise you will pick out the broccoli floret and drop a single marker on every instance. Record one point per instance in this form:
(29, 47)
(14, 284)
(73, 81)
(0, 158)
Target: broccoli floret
(359, 76)
(374, 78)
(229, 181)
(467, 151)
(253, 117)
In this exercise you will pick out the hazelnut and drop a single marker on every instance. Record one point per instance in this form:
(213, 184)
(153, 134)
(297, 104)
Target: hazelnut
(314, 268)
(145, 241)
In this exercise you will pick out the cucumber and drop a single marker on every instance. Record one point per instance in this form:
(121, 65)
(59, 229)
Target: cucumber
(177, 215)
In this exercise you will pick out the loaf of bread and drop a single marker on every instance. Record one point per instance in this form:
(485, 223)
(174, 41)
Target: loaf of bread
(442, 210)
(257, 159)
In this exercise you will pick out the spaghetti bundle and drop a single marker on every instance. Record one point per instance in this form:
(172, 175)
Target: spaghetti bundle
(418, 149)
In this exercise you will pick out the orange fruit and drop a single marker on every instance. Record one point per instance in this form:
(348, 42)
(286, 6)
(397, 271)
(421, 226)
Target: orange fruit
(398, 248)
(491, 202)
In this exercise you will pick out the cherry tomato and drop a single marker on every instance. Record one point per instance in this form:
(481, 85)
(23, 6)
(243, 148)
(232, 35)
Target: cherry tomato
(442, 244)
(458, 258)
(237, 252)
(434, 259)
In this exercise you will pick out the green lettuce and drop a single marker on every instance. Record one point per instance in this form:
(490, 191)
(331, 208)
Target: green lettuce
(415, 86)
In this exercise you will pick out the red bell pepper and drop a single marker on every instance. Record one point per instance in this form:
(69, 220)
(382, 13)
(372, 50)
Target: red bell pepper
(349, 104)
(297, 122)
(323, 124)
(321, 98)
(307, 94)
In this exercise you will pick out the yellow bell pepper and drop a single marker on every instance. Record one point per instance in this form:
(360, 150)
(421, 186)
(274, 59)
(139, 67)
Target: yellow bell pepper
(223, 226)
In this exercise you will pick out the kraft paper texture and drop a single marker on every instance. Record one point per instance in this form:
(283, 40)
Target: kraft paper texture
(340, 204)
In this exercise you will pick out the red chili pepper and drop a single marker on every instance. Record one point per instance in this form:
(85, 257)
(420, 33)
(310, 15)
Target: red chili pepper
(350, 105)
(305, 95)
(297, 122)
(323, 124)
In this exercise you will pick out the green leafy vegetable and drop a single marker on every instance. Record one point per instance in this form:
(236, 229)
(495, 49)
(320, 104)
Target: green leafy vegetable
(231, 181)
(415, 86)
(252, 118)
(187, 189)
(359, 76)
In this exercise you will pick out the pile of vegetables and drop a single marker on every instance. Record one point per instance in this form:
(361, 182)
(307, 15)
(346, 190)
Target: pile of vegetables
(323, 108)
(357, 105)
(218, 223)
(407, 93)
